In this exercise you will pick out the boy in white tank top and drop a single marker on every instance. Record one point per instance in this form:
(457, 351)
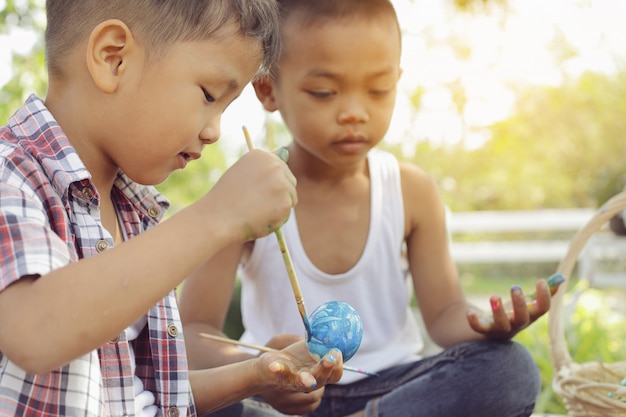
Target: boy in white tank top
(358, 208)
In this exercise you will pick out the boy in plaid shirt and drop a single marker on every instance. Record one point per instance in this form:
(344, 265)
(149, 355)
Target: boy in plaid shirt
(90, 324)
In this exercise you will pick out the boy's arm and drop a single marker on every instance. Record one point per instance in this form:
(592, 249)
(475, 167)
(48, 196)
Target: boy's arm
(204, 301)
(70, 311)
(435, 278)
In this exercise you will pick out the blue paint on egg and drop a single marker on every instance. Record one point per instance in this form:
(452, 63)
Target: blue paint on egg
(335, 324)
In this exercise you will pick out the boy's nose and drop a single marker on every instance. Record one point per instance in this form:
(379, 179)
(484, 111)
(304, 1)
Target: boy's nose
(211, 131)
(349, 118)
(353, 111)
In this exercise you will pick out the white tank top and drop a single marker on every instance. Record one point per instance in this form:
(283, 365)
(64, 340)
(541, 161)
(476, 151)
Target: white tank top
(377, 286)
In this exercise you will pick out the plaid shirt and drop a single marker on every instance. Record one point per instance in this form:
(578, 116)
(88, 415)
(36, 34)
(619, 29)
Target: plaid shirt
(48, 219)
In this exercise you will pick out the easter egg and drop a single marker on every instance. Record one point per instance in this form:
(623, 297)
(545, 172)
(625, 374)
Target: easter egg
(335, 324)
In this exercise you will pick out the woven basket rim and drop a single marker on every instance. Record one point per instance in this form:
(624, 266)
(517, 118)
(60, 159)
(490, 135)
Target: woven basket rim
(583, 394)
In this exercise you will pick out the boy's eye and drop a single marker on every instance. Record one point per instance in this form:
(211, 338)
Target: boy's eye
(379, 93)
(208, 97)
(320, 94)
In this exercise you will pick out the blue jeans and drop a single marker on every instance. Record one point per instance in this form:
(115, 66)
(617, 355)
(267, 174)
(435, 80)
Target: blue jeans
(477, 379)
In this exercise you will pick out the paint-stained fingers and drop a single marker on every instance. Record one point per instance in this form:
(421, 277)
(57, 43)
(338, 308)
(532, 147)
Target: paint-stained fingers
(520, 316)
(501, 321)
(330, 368)
(543, 297)
(282, 153)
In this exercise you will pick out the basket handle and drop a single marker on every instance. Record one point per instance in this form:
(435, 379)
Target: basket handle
(558, 348)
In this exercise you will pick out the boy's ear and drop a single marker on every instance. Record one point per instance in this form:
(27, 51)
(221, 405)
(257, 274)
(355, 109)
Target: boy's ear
(264, 89)
(107, 49)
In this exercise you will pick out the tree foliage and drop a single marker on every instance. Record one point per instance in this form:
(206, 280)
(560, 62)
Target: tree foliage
(569, 139)
(28, 69)
(562, 147)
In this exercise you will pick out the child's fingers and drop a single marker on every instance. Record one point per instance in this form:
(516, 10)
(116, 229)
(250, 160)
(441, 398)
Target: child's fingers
(258, 191)
(501, 320)
(308, 380)
(542, 300)
(476, 323)
(278, 368)
(290, 379)
(520, 317)
(330, 369)
(505, 322)
(282, 153)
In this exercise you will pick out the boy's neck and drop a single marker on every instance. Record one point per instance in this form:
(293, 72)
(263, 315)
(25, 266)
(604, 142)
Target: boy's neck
(306, 166)
(68, 109)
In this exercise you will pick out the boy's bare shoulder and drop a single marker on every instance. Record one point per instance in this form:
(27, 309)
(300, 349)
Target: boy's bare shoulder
(415, 177)
(420, 194)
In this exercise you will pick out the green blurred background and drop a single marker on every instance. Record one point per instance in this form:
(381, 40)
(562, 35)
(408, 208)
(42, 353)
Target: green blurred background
(560, 144)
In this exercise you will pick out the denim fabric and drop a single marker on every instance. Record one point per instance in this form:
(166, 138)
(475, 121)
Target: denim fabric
(247, 408)
(478, 379)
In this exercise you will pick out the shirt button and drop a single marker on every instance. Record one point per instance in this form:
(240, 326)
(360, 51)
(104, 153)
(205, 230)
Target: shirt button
(114, 340)
(154, 211)
(87, 193)
(102, 246)
(173, 412)
(172, 330)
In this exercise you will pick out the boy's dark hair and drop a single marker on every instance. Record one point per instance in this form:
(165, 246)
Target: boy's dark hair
(160, 23)
(320, 11)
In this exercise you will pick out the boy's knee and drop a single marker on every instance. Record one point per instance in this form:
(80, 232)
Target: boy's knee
(514, 362)
(508, 382)
(518, 357)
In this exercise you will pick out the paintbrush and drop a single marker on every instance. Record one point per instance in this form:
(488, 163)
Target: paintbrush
(268, 349)
(295, 286)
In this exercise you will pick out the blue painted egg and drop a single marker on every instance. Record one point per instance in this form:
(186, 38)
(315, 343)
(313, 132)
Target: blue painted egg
(335, 324)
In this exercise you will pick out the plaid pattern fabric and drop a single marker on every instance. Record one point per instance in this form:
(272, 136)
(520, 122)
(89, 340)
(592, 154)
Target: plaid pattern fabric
(48, 211)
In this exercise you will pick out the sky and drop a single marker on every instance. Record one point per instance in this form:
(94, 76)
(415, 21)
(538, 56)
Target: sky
(504, 50)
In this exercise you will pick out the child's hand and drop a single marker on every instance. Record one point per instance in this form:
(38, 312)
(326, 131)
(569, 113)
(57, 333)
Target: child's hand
(255, 195)
(507, 320)
(294, 369)
(291, 403)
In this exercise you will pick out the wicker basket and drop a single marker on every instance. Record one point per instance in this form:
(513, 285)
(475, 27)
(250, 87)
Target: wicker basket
(591, 388)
